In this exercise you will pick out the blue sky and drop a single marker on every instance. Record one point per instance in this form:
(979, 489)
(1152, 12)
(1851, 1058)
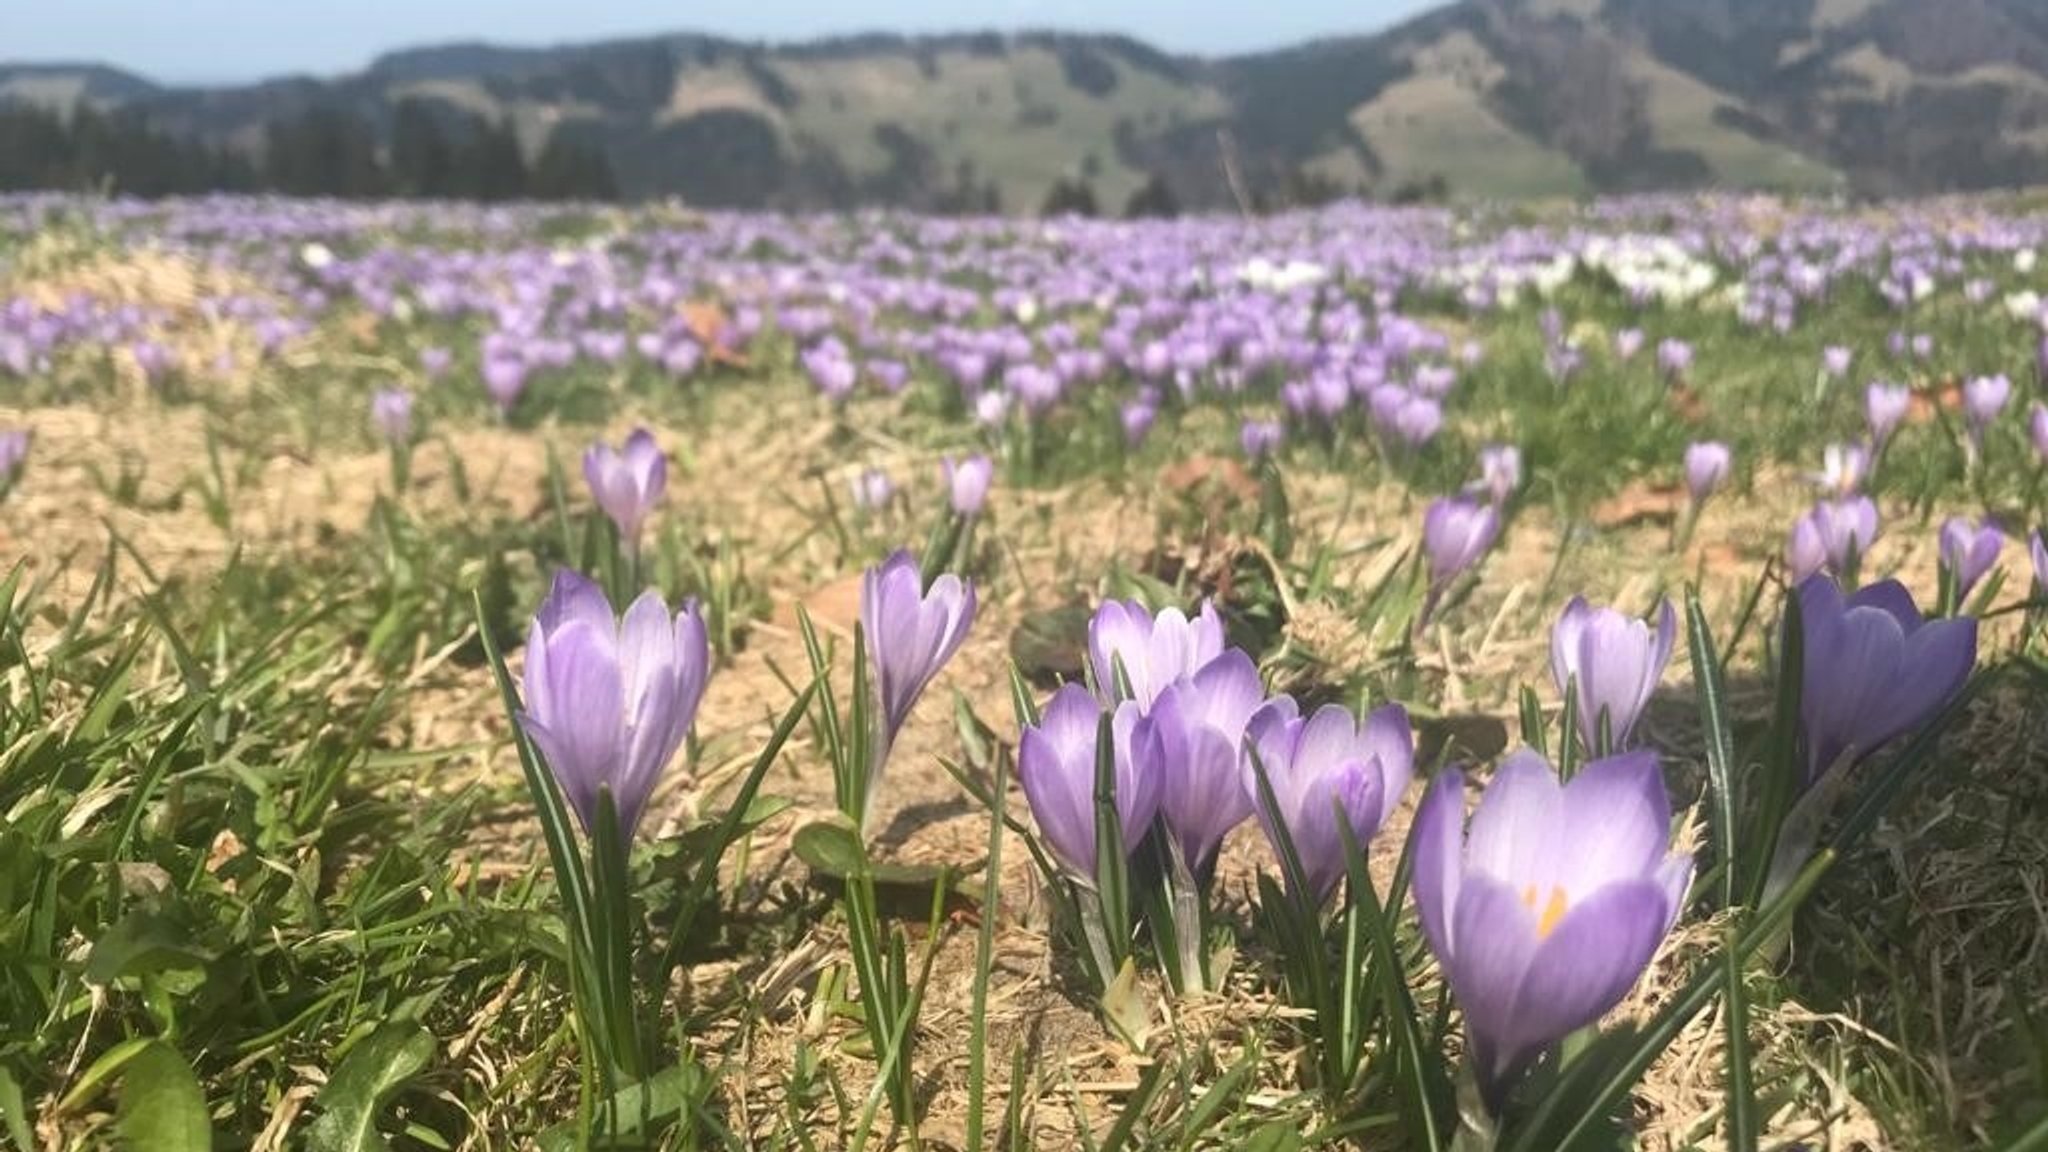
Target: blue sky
(234, 40)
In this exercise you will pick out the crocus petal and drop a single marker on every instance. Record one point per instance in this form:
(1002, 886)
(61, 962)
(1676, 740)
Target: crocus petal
(1617, 817)
(1514, 833)
(1496, 941)
(1576, 974)
(1056, 770)
(584, 689)
(1438, 836)
(574, 597)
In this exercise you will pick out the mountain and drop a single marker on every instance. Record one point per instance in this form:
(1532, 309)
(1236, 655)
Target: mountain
(1483, 98)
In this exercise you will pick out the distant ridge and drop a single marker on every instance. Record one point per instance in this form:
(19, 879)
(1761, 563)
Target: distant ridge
(1480, 99)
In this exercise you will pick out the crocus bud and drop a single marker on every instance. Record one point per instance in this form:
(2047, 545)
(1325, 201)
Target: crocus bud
(627, 484)
(1261, 438)
(1834, 361)
(1500, 472)
(1549, 909)
(1614, 660)
(1706, 469)
(13, 457)
(609, 700)
(2037, 431)
(1313, 762)
(967, 483)
(1056, 770)
(1843, 467)
(830, 370)
(1968, 551)
(1456, 532)
(1153, 651)
(872, 490)
(505, 379)
(1872, 669)
(1840, 531)
(1884, 406)
(911, 631)
(1136, 418)
(2038, 553)
(1674, 357)
(391, 415)
(1983, 399)
(1195, 728)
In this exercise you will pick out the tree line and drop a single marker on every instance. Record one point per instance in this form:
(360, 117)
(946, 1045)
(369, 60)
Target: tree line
(430, 151)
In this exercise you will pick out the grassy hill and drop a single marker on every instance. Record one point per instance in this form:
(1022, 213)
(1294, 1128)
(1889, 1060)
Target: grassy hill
(1480, 99)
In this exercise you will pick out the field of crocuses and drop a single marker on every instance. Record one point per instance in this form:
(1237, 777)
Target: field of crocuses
(508, 677)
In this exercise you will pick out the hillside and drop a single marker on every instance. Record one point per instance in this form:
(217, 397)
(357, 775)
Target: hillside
(1484, 98)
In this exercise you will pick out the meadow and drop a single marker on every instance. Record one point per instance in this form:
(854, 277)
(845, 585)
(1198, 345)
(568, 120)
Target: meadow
(506, 677)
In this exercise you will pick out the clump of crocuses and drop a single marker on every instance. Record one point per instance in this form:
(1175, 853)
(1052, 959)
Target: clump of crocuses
(1549, 908)
(1610, 665)
(1835, 535)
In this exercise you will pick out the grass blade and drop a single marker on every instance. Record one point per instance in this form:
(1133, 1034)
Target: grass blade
(1708, 682)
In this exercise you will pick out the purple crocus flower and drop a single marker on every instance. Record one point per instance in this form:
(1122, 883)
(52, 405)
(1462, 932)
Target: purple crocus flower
(872, 490)
(1984, 397)
(1884, 407)
(153, 360)
(1154, 651)
(1968, 551)
(1136, 418)
(505, 379)
(13, 456)
(1547, 911)
(1314, 762)
(1674, 357)
(967, 483)
(627, 484)
(1834, 361)
(391, 415)
(1873, 670)
(911, 632)
(1056, 769)
(609, 700)
(992, 408)
(830, 370)
(435, 362)
(1839, 532)
(1500, 471)
(1843, 468)
(2038, 553)
(1456, 532)
(1614, 660)
(1261, 438)
(1195, 729)
(1418, 420)
(1627, 343)
(2037, 431)
(1706, 469)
